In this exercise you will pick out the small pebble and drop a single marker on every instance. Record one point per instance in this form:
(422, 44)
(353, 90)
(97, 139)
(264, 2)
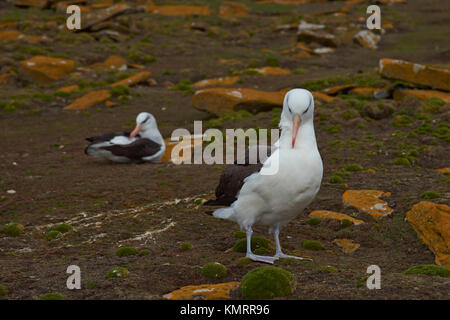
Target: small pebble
(11, 191)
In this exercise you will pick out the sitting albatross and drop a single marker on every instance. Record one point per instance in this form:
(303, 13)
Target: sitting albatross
(275, 198)
(143, 144)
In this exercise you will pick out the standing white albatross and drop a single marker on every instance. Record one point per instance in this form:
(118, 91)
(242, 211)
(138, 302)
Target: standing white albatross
(276, 199)
(144, 144)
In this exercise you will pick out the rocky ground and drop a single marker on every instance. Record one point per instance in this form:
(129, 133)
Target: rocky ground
(382, 127)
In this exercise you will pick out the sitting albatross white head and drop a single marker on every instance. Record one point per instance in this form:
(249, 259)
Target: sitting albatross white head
(277, 198)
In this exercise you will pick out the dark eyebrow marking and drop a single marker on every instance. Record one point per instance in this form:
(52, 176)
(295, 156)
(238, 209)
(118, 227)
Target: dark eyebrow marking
(309, 105)
(148, 117)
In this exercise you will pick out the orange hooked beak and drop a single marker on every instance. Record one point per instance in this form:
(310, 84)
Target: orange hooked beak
(296, 124)
(135, 131)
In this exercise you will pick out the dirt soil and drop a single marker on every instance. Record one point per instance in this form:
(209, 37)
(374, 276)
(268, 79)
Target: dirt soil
(151, 206)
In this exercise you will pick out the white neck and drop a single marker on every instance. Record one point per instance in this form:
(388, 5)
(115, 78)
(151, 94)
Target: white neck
(306, 137)
(152, 134)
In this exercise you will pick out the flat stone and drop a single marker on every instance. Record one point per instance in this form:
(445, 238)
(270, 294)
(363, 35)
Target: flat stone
(222, 81)
(326, 214)
(322, 96)
(204, 291)
(134, 79)
(346, 245)
(68, 89)
(338, 89)
(4, 77)
(186, 144)
(423, 95)
(46, 69)
(437, 78)
(364, 90)
(179, 10)
(233, 9)
(101, 15)
(368, 201)
(431, 221)
(112, 63)
(88, 100)
(222, 100)
(270, 71)
(323, 38)
(9, 35)
(367, 39)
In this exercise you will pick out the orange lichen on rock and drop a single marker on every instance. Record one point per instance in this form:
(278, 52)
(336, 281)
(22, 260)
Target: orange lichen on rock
(322, 96)
(443, 170)
(134, 79)
(88, 100)
(337, 89)
(46, 69)
(270, 71)
(185, 149)
(222, 100)
(423, 95)
(233, 9)
(112, 63)
(179, 10)
(68, 89)
(431, 221)
(368, 201)
(204, 291)
(9, 35)
(326, 214)
(346, 245)
(437, 78)
(222, 81)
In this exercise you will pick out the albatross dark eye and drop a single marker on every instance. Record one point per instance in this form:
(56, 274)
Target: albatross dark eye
(145, 120)
(306, 110)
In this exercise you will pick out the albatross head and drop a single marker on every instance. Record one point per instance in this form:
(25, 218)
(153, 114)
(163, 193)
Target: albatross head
(298, 109)
(144, 122)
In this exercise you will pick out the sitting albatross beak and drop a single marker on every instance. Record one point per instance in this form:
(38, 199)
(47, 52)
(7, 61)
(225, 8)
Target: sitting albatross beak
(296, 124)
(135, 131)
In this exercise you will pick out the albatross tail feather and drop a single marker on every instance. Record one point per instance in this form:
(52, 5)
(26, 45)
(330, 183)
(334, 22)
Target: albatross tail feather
(224, 213)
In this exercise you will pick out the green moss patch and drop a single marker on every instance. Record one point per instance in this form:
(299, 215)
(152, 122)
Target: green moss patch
(345, 223)
(186, 246)
(313, 221)
(429, 270)
(12, 229)
(402, 120)
(352, 167)
(402, 162)
(144, 252)
(240, 234)
(267, 283)
(117, 272)
(3, 290)
(430, 195)
(214, 270)
(63, 228)
(53, 235)
(126, 251)
(243, 261)
(259, 245)
(312, 245)
(52, 296)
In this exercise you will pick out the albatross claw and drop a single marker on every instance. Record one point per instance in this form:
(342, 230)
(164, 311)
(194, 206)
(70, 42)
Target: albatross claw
(265, 259)
(282, 255)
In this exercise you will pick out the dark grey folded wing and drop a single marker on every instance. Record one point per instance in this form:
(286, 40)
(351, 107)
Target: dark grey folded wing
(255, 154)
(107, 136)
(136, 150)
